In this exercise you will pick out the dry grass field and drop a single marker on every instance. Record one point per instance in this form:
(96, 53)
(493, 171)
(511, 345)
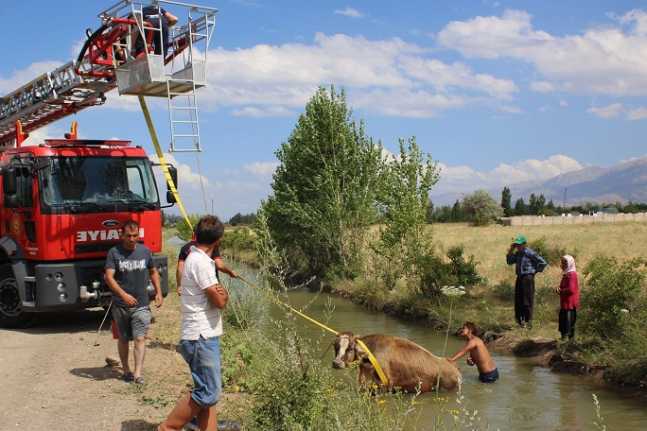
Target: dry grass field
(489, 244)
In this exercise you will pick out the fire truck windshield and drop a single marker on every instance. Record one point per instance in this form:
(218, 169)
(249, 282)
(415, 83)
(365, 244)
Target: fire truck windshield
(96, 184)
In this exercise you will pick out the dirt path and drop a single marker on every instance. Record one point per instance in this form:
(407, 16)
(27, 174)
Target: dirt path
(53, 378)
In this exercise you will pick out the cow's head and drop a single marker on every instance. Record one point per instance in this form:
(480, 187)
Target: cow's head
(346, 350)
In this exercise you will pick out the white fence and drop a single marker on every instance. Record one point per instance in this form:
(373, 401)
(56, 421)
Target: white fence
(575, 219)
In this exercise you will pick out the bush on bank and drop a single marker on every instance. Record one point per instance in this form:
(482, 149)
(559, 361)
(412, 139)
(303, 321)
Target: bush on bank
(288, 384)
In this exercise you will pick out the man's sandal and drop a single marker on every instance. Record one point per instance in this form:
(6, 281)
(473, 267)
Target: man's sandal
(128, 377)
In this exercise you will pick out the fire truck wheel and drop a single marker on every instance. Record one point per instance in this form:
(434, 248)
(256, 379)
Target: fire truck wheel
(11, 313)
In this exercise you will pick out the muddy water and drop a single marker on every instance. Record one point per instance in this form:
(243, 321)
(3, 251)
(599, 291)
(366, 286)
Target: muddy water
(525, 398)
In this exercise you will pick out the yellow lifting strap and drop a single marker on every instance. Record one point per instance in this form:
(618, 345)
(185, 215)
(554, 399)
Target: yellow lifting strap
(371, 357)
(162, 159)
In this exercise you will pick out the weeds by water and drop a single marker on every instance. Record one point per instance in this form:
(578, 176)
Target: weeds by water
(599, 420)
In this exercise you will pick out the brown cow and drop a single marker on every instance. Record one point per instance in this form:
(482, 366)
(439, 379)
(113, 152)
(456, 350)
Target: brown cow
(408, 366)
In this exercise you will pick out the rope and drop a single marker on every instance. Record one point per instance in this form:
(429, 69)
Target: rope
(105, 316)
(372, 359)
(204, 193)
(162, 159)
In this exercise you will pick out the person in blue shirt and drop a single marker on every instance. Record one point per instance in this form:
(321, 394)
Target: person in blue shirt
(527, 263)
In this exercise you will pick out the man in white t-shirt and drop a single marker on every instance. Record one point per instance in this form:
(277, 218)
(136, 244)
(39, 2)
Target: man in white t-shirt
(203, 298)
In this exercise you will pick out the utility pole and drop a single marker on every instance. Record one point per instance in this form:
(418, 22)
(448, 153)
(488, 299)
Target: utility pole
(564, 201)
(211, 206)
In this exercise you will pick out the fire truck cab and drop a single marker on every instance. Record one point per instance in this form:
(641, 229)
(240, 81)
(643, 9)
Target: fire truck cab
(62, 204)
(63, 201)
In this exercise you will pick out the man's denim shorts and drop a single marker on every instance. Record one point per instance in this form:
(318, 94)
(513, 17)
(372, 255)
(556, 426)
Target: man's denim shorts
(132, 322)
(203, 357)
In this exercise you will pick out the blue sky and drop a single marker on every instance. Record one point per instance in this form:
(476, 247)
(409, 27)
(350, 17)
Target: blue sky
(497, 91)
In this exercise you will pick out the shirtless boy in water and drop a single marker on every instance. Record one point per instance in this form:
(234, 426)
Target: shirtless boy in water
(478, 354)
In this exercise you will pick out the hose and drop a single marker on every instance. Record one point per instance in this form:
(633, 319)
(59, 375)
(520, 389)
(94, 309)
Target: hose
(86, 45)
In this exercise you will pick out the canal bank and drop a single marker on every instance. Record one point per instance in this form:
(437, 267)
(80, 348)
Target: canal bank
(528, 397)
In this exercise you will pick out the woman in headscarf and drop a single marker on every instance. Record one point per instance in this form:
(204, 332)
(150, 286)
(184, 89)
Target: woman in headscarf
(569, 297)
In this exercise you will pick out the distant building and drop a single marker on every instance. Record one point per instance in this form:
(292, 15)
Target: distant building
(609, 210)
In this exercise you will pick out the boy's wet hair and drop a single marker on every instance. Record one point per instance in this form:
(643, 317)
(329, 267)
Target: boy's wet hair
(209, 230)
(472, 328)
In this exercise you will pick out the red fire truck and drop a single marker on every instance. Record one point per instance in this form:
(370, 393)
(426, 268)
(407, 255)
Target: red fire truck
(63, 201)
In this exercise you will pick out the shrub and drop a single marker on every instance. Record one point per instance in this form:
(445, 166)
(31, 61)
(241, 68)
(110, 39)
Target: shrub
(552, 253)
(290, 398)
(481, 209)
(245, 308)
(294, 392)
(504, 290)
(611, 297)
(238, 240)
(463, 270)
(185, 231)
(435, 272)
(238, 350)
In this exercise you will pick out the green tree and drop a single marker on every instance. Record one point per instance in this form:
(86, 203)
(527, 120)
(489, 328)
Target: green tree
(506, 201)
(443, 214)
(404, 201)
(457, 212)
(541, 204)
(481, 209)
(239, 218)
(532, 204)
(324, 190)
(430, 212)
(520, 207)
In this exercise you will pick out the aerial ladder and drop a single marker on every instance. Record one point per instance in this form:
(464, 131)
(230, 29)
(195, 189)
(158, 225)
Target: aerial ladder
(134, 51)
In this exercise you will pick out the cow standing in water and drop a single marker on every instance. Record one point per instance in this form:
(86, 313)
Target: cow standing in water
(408, 366)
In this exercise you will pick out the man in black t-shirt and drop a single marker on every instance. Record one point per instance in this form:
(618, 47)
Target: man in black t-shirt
(215, 255)
(129, 267)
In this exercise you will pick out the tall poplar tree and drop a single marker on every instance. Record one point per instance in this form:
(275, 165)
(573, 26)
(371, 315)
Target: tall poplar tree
(324, 189)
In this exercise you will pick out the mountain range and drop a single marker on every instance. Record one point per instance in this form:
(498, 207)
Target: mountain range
(625, 181)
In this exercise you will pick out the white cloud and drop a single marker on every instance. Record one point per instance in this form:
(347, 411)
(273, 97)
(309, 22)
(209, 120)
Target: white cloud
(349, 12)
(637, 19)
(235, 191)
(510, 109)
(615, 110)
(407, 103)
(609, 111)
(261, 169)
(187, 175)
(462, 178)
(542, 87)
(637, 114)
(20, 77)
(263, 111)
(443, 76)
(276, 80)
(38, 136)
(563, 103)
(605, 60)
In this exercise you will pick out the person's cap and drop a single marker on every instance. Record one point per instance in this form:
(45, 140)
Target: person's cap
(520, 239)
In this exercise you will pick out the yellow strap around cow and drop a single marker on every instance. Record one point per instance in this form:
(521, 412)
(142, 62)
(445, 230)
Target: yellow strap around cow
(373, 360)
(162, 159)
(371, 357)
